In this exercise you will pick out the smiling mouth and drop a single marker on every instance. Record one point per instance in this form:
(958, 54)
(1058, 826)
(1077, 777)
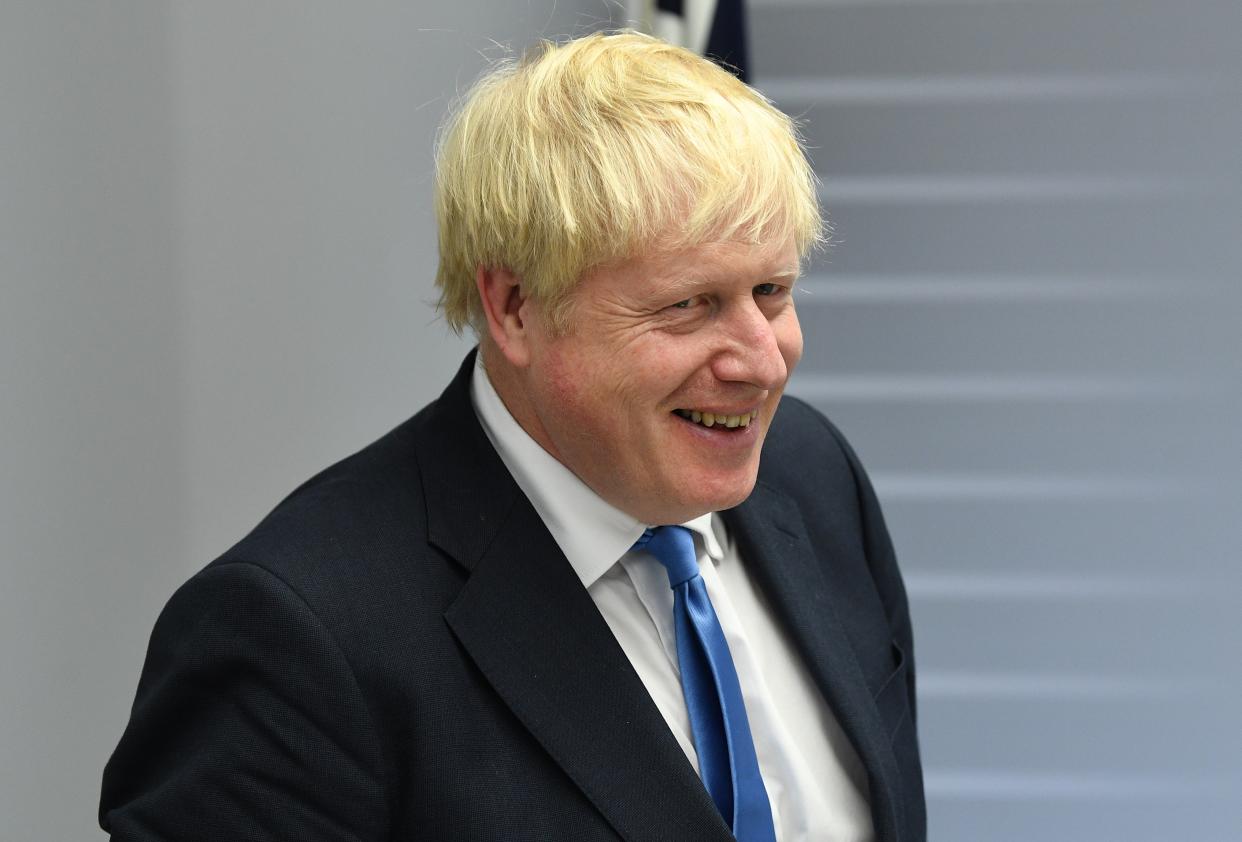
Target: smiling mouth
(711, 419)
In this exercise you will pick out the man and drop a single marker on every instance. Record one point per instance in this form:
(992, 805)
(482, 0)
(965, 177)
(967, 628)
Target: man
(604, 587)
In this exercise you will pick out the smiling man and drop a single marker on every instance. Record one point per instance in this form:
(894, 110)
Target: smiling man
(610, 585)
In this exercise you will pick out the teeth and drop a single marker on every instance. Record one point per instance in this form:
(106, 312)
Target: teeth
(711, 419)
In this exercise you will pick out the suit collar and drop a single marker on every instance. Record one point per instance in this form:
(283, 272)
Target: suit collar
(529, 625)
(467, 491)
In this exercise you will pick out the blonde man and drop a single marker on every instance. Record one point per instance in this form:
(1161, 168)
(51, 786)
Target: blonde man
(475, 628)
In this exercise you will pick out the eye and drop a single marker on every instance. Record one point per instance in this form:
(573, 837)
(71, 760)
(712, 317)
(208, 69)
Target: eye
(768, 289)
(692, 303)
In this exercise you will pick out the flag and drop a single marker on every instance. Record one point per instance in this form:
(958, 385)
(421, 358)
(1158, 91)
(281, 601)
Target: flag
(712, 28)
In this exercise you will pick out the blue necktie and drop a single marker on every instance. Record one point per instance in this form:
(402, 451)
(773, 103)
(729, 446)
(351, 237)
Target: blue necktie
(727, 761)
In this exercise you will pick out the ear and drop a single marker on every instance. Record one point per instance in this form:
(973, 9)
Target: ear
(508, 316)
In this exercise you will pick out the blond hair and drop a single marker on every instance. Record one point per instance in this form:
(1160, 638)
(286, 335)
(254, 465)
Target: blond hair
(604, 148)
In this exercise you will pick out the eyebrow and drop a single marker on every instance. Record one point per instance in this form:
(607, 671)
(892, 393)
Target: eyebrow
(786, 274)
(695, 278)
(679, 284)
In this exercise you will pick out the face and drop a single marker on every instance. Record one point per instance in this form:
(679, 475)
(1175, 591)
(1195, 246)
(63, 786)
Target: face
(660, 394)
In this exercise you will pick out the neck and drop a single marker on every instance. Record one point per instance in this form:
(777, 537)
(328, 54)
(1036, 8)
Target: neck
(507, 382)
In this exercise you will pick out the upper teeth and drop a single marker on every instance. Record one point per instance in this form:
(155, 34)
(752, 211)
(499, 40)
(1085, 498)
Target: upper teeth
(711, 419)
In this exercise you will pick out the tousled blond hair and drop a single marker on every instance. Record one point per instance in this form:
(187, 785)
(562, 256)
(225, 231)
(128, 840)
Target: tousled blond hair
(604, 148)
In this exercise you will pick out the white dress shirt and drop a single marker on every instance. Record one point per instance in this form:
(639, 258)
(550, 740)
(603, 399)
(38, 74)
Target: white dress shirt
(815, 782)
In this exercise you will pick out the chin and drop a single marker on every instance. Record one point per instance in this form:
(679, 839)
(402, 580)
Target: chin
(734, 499)
(723, 496)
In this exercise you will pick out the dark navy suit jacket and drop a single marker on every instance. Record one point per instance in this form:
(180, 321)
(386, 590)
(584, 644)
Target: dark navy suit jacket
(401, 651)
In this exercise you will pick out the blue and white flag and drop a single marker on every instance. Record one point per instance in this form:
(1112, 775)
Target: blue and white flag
(713, 28)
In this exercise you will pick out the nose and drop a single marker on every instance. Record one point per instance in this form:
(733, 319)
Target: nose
(756, 349)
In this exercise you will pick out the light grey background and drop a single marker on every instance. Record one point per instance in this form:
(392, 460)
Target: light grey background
(1029, 328)
(216, 253)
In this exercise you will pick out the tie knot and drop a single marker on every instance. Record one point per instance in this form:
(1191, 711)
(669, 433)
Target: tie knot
(673, 547)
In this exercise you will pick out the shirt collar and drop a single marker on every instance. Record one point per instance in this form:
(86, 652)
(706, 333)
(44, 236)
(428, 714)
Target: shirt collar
(706, 527)
(591, 532)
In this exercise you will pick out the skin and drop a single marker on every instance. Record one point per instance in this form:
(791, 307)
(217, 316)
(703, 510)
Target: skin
(710, 328)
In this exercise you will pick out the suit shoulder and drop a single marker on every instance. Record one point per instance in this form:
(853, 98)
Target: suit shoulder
(349, 526)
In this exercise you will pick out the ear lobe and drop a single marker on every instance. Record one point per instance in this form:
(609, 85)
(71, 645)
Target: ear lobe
(500, 291)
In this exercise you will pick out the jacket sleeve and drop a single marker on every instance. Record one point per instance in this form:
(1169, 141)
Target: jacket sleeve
(248, 724)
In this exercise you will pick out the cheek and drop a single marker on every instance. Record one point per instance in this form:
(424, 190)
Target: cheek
(558, 381)
(611, 389)
(567, 398)
(789, 340)
(579, 392)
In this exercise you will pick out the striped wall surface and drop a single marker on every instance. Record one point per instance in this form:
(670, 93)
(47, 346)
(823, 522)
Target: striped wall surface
(1028, 326)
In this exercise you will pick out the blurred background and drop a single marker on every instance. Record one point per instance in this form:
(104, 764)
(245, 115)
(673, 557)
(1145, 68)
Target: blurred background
(216, 255)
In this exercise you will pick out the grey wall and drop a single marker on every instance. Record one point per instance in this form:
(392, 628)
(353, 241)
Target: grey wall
(1029, 329)
(215, 267)
(216, 255)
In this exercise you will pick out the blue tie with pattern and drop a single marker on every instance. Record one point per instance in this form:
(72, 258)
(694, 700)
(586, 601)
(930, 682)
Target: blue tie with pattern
(727, 761)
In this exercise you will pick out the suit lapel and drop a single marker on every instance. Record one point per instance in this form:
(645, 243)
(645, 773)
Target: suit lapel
(773, 539)
(535, 634)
